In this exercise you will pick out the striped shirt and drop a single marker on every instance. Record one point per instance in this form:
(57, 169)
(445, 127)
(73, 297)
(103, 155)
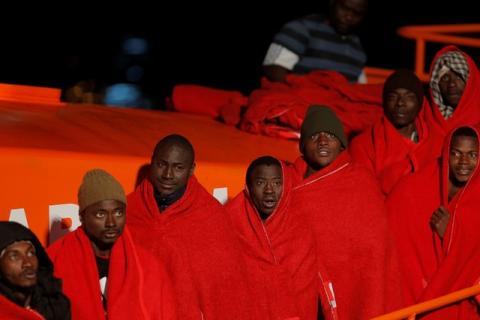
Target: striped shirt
(309, 44)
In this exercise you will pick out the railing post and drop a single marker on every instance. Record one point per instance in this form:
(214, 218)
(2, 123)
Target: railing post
(420, 59)
(412, 316)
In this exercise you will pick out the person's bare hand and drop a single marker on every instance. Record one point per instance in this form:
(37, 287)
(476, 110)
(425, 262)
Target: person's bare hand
(439, 220)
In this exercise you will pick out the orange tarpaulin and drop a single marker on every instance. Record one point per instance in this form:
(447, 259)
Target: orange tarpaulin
(46, 148)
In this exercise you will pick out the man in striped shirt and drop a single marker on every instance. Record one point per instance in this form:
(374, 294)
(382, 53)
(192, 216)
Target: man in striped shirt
(317, 42)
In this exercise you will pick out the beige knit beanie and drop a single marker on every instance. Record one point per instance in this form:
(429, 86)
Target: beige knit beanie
(99, 185)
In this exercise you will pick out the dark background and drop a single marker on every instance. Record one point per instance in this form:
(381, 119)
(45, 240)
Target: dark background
(221, 45)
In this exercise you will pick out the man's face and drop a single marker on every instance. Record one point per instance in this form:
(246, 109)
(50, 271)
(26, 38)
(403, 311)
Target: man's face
(401, 107)
(104, 221)
(170, 169)
(19, 264)
(346, 15)
(266, 185)
(451, 87)
(321, 149)
(463, 158)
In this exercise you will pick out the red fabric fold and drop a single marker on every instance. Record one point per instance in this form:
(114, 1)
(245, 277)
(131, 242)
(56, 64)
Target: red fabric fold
(10, 311)
(208, 101)
(194, 239)
(429, 268)
(344, 206)
(389, 155)
(278, 109)
(134, 291)
(282, 251)
(467, 111)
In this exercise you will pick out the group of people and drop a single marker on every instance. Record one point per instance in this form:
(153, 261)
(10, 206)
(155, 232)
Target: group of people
(350, 230)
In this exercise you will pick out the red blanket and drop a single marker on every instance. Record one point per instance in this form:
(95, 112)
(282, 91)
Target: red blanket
(467, 110)
(208, 101)
(194, 238)
(282, 251)
(344, 206)
(430, 269)
(136, 289)
(278, 109)
(389, 155)
(10, 311)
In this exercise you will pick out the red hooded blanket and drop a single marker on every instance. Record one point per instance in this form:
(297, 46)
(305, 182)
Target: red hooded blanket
(429, 268)
(136, 287)
(282, 250)
(344, 206)
(467, 110)
(389, 155)
(194, 239)
(10, 311)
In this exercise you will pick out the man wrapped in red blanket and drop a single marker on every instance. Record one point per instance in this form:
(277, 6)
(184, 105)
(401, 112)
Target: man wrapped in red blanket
(434, 216)
(104, 274)
(400, 142)
(343, 205)
(174, 217)
(279, 247)
(455, 98)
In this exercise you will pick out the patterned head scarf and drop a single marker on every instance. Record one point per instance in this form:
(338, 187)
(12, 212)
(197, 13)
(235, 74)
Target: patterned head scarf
(451, 60)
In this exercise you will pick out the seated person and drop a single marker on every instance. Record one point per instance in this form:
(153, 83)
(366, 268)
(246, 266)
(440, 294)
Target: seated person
(104, 274)
(28, 289)
(319, 42)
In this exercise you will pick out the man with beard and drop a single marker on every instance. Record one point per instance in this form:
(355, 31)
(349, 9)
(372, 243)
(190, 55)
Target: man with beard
(28, 290)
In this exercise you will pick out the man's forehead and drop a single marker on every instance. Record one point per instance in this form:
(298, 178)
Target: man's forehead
(19, 244)
(170, 149)
(264, 170)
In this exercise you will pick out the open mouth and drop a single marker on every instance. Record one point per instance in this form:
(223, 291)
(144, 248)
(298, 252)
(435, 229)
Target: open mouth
(323, 152)
(269, 204)
(29, 274)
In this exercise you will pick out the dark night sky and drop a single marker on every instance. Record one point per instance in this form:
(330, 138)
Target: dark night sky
(221, 46)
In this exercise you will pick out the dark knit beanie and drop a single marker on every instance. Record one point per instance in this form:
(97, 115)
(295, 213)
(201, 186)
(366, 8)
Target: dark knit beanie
(99, 185)
(404, 79)
(322, 119)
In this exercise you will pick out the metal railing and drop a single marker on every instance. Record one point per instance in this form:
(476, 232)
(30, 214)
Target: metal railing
(411, 312)
(446, 34)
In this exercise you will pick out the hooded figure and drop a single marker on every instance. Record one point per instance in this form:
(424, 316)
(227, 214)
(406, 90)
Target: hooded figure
(278, 246)
(434, 217)
(400, 142)
(454, 94)
(28, 289)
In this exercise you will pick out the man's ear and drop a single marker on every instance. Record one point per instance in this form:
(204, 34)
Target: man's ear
(192, 169)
